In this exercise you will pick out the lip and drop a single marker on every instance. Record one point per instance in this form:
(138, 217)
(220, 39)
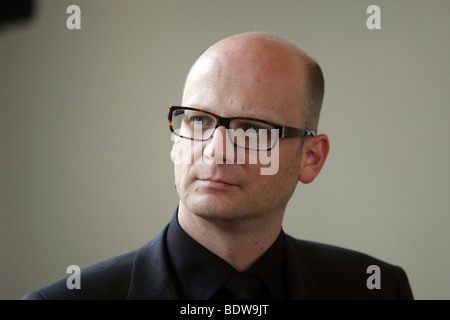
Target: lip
(217, 183)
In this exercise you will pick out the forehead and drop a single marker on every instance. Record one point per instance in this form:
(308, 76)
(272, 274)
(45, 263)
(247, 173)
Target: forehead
(251, 80)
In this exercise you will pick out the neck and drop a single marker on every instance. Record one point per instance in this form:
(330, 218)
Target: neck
(240, 242)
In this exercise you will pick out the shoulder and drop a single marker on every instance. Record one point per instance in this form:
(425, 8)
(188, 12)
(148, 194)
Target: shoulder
(346, 273)
(141, 273)
(105, 280)
(330, 255)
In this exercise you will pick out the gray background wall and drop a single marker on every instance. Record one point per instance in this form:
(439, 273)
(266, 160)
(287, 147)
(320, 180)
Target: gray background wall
(85, 172)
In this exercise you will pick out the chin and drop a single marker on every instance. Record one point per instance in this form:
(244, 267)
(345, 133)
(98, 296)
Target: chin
(213, 210)
(218, 209)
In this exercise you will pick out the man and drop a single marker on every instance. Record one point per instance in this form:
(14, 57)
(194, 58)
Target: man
(225, 240)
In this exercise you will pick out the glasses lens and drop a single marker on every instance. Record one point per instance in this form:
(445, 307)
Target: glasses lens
(253, 135)
(193, 124)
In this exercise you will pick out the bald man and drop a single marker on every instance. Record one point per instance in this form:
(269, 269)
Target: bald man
(251, 101)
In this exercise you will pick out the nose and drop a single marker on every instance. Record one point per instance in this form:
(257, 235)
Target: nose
(219, 148)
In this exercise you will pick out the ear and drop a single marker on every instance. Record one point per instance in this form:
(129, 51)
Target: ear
(315, 152)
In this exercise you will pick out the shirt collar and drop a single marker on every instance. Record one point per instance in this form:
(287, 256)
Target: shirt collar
(201, 273)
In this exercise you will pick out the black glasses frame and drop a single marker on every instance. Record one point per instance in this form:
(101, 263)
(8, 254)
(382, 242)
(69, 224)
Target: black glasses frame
(285, 131)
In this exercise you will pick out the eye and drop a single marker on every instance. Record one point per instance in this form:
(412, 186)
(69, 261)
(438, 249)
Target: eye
(196, 118)
(254, 127)
(199, 119)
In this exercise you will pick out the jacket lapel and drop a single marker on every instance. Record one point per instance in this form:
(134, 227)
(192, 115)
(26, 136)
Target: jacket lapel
(302, 278)
(151, 277)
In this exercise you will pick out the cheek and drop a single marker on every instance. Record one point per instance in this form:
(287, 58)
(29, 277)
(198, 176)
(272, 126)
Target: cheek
(173, 153)
(182, 178)
(292, 160)
(279, 188)
(182, 155)
(287, 176)
(176, 155)
(185, 151)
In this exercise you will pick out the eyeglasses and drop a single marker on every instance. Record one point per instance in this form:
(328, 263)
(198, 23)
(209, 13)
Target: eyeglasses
(249, 133)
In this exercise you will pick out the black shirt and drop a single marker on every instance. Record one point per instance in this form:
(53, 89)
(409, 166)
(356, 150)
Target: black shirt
(202, 274)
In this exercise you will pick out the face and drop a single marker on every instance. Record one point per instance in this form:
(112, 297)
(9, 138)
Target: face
(236, 85)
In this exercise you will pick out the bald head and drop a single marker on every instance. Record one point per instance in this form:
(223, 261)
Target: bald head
(260, 66)
(257, 76)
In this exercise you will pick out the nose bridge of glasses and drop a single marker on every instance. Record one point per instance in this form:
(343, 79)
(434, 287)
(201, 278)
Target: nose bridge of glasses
(221, 121)
(218, 134)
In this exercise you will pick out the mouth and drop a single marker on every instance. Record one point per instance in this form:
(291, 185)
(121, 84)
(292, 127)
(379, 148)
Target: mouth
(217, 183)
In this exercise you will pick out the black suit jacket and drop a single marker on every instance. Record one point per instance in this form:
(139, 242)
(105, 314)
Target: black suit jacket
(313, 271)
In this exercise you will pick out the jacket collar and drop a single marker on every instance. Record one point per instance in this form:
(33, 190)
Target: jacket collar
(151, 277)
(302, 276)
